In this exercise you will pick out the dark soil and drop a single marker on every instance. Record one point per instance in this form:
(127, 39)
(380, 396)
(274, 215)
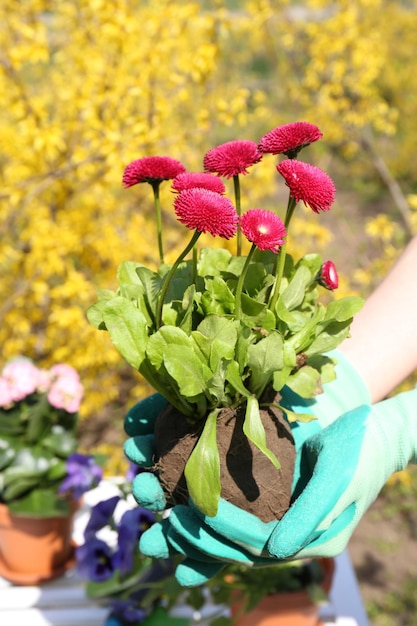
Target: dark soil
(248, 478)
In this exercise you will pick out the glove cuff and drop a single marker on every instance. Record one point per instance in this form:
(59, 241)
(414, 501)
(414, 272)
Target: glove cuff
(346, 392)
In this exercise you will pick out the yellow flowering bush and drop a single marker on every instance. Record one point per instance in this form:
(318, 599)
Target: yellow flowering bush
(87, 85)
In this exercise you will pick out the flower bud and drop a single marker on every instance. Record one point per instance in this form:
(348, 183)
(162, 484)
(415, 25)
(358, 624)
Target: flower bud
(328, 276)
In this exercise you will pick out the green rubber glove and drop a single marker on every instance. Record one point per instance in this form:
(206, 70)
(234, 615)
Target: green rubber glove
(232, 535)
(349, 463)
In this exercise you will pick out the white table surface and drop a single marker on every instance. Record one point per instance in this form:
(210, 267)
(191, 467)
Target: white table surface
(63, 602)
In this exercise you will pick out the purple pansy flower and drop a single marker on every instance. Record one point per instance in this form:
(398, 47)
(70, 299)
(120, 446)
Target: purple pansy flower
(95, 560)
(133, 523)
(100, 516)
(82, 473)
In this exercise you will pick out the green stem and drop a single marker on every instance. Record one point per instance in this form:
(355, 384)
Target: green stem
(239, 286)
(280, 261)
(194, 265)
(155, 187)
(171, 273)
(236, 184)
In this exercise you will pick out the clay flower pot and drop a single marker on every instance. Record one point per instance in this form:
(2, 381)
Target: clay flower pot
(294, 608)
(34, 549)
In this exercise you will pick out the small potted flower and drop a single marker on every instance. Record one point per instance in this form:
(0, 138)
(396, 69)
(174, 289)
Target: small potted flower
(219, 334)
(284, 594)
(42, 476)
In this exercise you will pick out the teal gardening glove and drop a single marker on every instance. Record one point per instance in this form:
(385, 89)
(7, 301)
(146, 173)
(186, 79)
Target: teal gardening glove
(232, 535)
(349, 462)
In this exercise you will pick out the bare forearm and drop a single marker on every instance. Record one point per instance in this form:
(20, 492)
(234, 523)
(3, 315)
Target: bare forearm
(383, 342)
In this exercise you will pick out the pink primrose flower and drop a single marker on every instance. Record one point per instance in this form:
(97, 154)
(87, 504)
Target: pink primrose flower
(204, 180)
(63, 370)
(308, 183)
(22, 376)
(151, 169)
(6, 393)
(206, 211)
(263, 228)
(328, 276)
(66, 393)
(289, 139)
(232, 158)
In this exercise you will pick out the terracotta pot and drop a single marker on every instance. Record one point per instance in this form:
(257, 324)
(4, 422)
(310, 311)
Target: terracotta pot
(285, 609)
(34, 549)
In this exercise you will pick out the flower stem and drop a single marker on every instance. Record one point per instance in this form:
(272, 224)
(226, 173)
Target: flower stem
(171, 273)
(239, 286)
(155, 187)
(236, 184)
(280, 261)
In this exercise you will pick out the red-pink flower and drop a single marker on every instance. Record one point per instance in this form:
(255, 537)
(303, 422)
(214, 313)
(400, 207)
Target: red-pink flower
(263, 228)
(308, 183)
(328, 276)
(204, 180)
(232, 158)
(289, 139)
(207, 212)
(151, 169)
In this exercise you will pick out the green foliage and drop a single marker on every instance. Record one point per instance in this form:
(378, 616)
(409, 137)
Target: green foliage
(207, 334)
(250, 585)
(35, 440)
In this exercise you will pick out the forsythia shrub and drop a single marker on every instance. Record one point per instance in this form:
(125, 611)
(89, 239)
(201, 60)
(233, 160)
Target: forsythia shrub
(86, 86)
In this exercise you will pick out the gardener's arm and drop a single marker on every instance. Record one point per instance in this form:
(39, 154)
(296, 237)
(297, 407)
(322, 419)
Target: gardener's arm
(383, 342)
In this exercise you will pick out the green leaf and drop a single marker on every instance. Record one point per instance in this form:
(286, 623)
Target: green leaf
(188, 308)
(234, 377)
(18, 487)
(294, 294)
(202, 471)
(296, 417)
(213, 261)
(217, 299)
(7, 453)
(280, 377)
(60, 442)
(264, 357)
(343, 309)
(216, 338)
(302, 339)
(164, 337)
(128, 329)
(187, 369)
(330, 338)
(304, 381)
(255, 431)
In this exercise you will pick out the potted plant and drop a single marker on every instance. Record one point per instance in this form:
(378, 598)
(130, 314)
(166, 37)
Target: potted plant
(220, 334)
(42, 476)
(288, 593)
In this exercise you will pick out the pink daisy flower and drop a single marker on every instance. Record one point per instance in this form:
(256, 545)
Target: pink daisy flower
(206, 211)
(328, 276)
(263, 228)
(232, 158)
(151, 169)
(289, 139)
(308, 183)
(204, 180)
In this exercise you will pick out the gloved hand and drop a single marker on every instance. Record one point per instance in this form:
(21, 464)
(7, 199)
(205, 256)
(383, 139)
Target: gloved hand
(349, 462)
(232, 535)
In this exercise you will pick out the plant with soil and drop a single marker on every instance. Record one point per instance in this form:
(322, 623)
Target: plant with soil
(219, 335)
